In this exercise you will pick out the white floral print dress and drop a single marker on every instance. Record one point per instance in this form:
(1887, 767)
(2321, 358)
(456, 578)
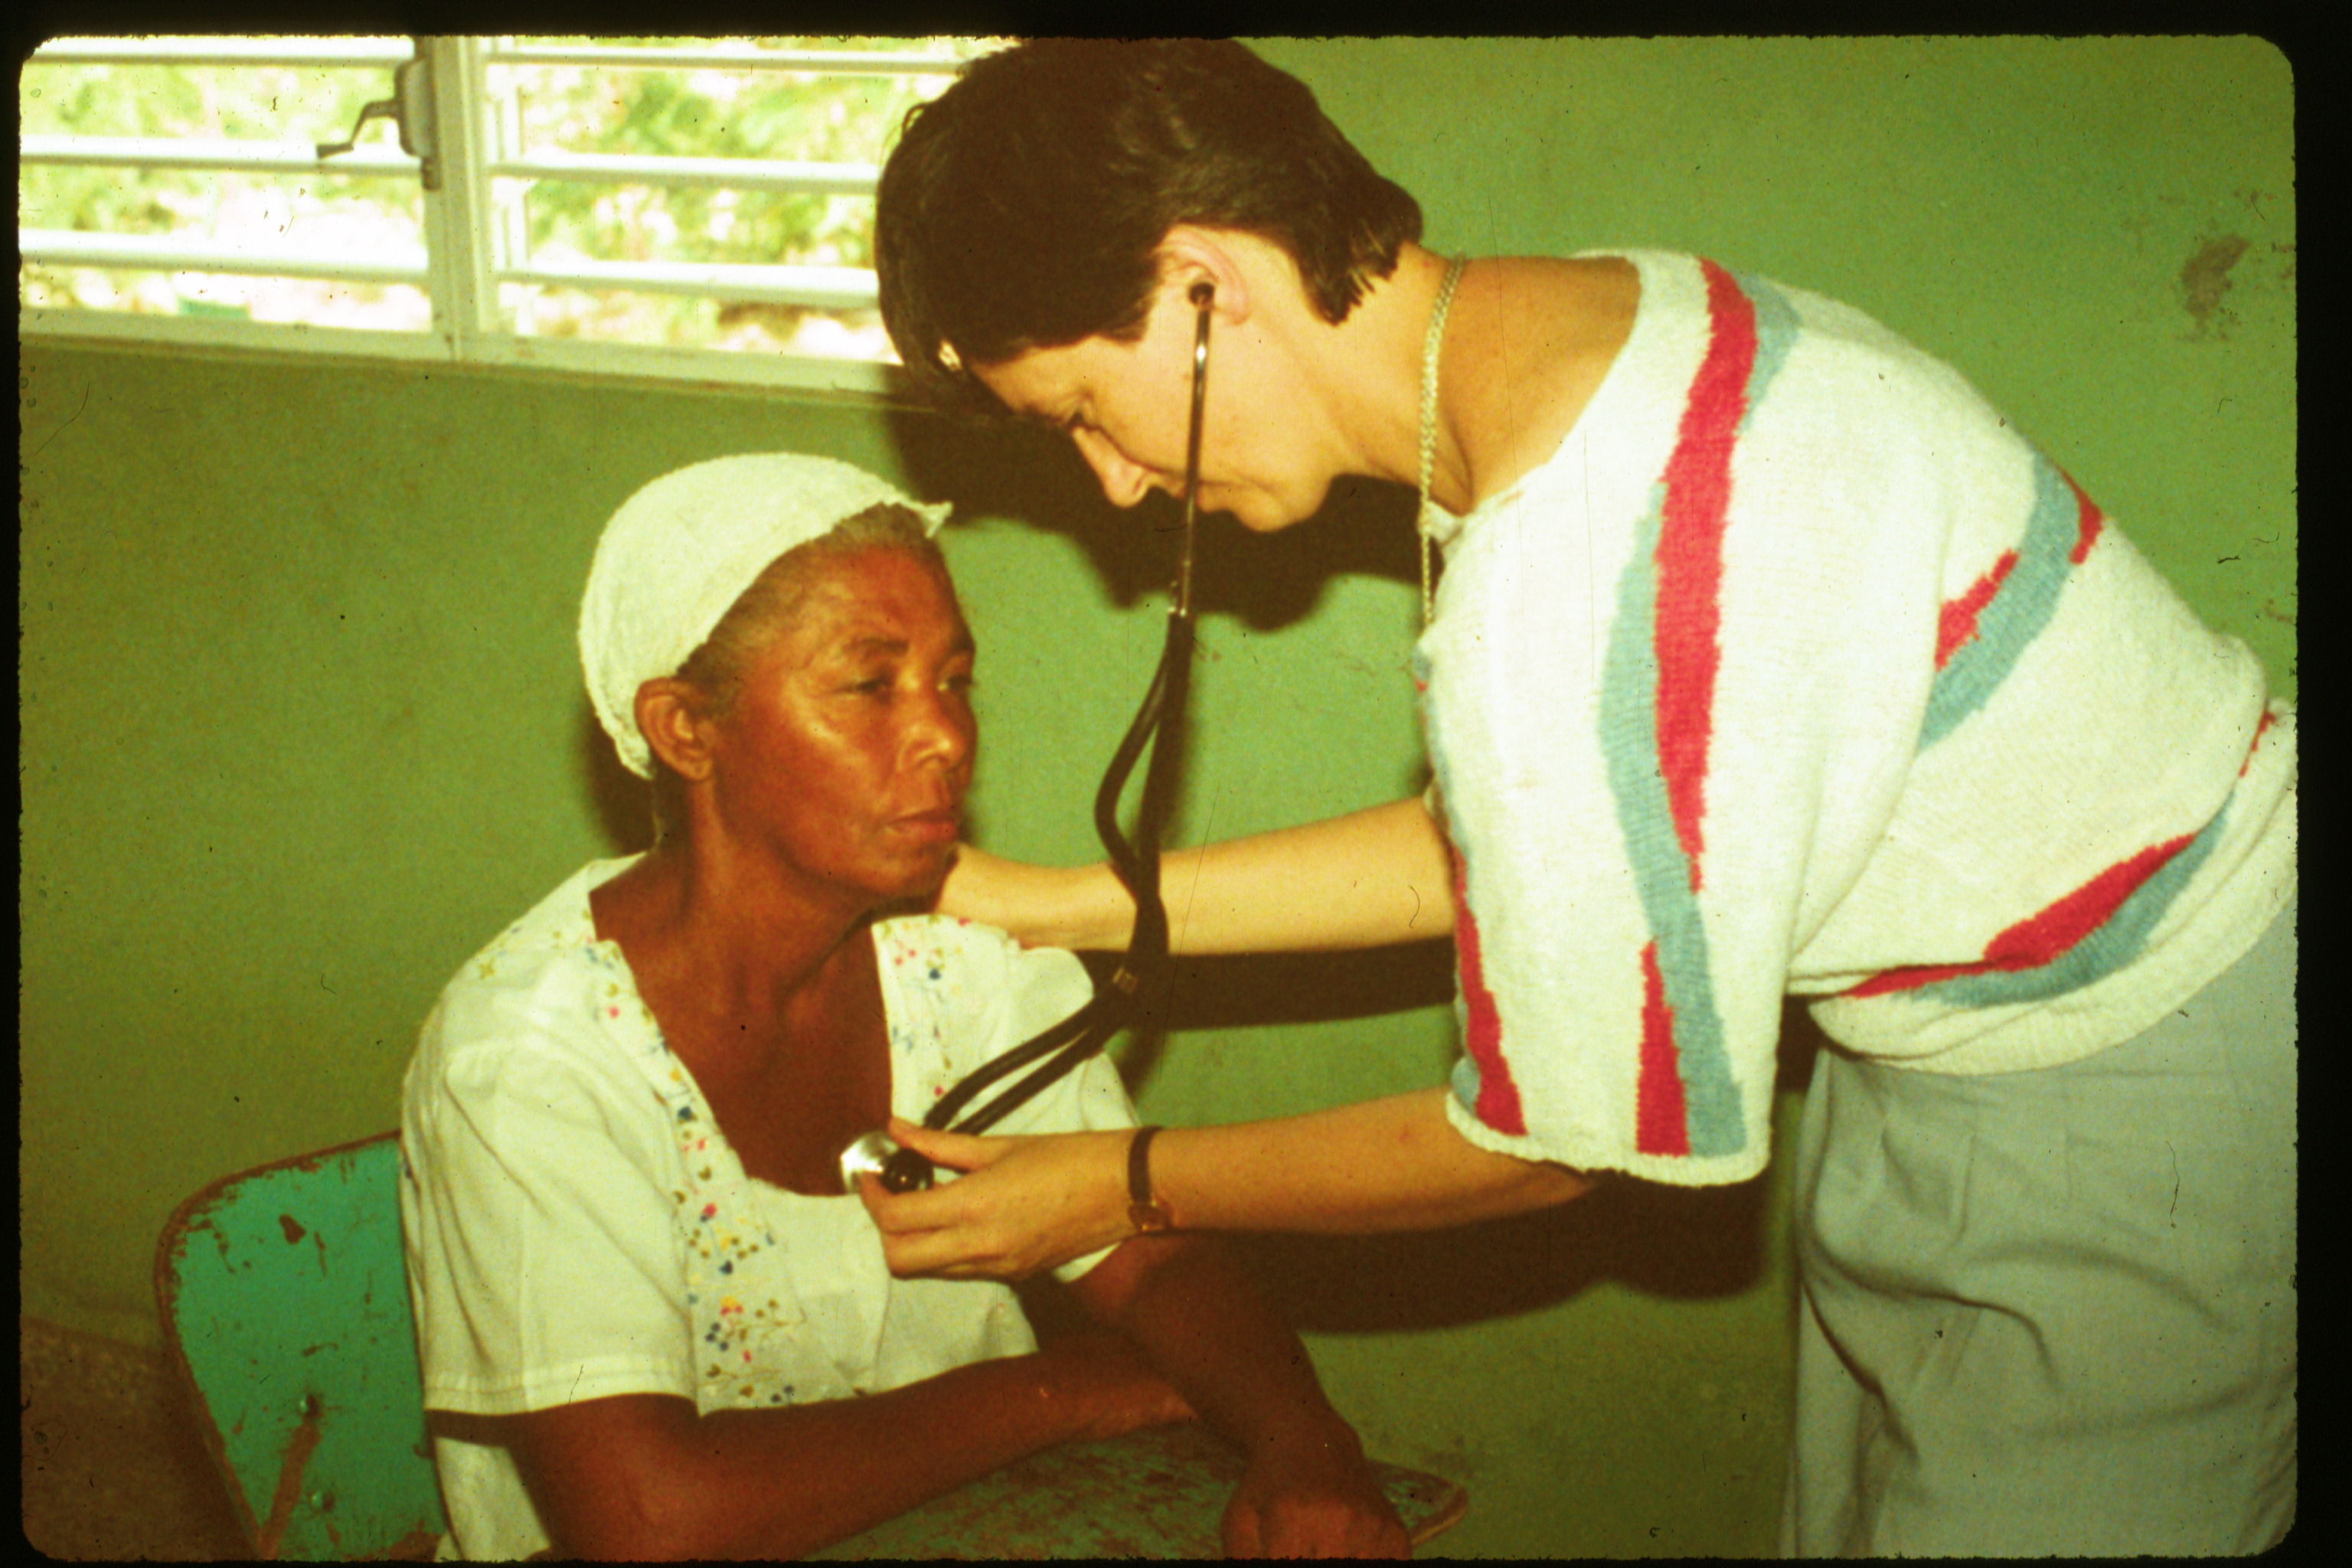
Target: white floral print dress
(577, 1228)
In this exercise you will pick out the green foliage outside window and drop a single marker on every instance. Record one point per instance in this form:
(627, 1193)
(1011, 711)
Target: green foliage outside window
(693, 111)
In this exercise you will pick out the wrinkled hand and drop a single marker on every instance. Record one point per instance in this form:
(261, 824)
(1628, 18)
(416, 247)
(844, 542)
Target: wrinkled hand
(1023, 1204)
(1312, 1500)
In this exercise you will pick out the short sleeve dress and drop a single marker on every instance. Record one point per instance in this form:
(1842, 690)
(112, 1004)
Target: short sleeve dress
(577, 1225)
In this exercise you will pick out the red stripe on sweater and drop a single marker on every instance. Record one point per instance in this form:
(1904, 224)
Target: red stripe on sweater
(2087, 520)
(2256, 744)
(1660, 1124)
(1956, 622)
(1690, 557)
(1481, 1026)
(2046, 937)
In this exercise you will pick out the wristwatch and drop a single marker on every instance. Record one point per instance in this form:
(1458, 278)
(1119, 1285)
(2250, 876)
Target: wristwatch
(1144, 1211)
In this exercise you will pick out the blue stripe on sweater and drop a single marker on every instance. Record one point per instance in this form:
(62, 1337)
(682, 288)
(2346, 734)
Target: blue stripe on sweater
(1776, 333)
(2114, 943)
(1629, 746)
(2018, 612)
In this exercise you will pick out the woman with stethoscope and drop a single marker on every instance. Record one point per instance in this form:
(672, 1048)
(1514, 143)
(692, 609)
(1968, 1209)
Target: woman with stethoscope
(1769, 661)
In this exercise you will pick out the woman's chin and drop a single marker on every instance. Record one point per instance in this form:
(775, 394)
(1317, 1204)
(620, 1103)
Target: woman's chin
(919, 889)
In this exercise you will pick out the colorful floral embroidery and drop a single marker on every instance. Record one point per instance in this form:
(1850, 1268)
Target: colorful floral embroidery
(748, 1312)
(929, 949)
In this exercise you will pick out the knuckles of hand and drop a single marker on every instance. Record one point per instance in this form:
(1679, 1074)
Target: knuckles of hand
(1329, 1516)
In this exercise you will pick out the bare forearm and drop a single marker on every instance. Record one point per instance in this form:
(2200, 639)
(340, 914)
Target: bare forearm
(1364, 879)
(1193, 1310)
(847, 1465)
(647, 1477)
(1383, 1164)
(1030, 1202)
(1307, 1491)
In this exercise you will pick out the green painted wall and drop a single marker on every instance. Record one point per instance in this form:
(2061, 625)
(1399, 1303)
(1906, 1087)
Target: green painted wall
(301, 725)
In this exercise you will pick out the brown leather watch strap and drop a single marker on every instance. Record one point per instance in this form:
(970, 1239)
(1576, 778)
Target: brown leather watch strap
(1144, 1211)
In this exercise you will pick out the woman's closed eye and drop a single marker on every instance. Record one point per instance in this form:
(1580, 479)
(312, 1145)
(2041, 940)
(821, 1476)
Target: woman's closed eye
(957, 683)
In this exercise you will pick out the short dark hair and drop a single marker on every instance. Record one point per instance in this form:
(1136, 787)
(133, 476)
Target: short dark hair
(1022, 208)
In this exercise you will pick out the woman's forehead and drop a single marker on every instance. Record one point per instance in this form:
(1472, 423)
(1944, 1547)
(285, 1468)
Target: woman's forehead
(877, 597)
(1034, 383)
(1042, 382)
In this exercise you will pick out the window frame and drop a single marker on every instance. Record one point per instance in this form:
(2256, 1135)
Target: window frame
(466, 256)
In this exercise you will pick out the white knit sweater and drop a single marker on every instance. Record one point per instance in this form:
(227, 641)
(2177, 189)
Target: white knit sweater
(1796, 670)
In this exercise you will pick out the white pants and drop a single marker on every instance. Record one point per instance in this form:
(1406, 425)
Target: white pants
(2054, 1312)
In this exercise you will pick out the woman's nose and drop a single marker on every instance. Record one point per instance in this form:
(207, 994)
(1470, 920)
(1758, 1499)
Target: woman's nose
(1124, 480)
(943, 730)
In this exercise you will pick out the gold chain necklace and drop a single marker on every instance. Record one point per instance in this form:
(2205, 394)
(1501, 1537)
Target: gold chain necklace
(1431, 343)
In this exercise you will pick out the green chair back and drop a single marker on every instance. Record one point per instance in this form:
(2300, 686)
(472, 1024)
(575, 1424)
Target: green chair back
(284, 1298)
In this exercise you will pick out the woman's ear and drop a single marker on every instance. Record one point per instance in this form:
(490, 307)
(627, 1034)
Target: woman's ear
(671, 716)
(1190, 254)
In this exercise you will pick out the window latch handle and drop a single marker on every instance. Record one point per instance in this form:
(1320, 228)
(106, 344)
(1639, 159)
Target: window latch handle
(382, 108)
(410, 110)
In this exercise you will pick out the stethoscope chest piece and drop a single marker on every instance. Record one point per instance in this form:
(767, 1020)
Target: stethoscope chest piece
(900, 1169)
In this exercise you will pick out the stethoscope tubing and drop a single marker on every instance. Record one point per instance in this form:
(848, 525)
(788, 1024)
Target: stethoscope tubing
(1088, 1030)
(1059, 1049)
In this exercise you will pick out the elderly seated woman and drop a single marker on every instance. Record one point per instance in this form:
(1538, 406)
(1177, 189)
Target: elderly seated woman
(652, 1322)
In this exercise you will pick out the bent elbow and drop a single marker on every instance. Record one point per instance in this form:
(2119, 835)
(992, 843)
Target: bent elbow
(634, 1500)
(629, 1525)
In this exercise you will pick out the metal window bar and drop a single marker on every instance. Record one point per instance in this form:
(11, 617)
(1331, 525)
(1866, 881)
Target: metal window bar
(364, 52)
(171, 253)
(814, 288)
(811, 62)
(819, 288)
(373, 158)
(377, 160)
(656, 169)
(314, 52)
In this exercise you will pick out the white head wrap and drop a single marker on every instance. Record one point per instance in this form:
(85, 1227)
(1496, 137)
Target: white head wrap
(680, 551)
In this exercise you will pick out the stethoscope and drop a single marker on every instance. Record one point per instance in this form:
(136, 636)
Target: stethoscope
(1055, 1052)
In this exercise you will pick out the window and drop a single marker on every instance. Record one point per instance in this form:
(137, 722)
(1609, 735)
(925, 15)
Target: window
(697, 208)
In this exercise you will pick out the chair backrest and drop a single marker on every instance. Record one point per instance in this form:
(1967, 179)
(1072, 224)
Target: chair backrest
(284, 1297)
